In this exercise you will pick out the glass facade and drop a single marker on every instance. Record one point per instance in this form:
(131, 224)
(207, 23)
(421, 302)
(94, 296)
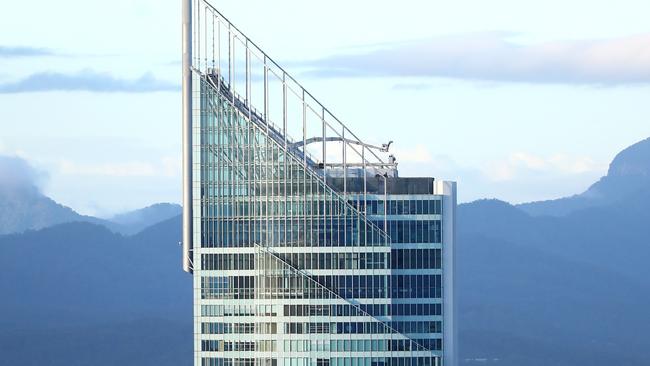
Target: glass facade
(303, 261)
(290, 272)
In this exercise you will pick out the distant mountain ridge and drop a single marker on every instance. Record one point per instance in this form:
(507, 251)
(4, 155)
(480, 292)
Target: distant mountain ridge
(89, 296)
(561, 282)
(26, 208)
(628, 175)
(135, 221)
(533, 290)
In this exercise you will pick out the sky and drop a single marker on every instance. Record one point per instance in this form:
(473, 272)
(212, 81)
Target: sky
(519, 101)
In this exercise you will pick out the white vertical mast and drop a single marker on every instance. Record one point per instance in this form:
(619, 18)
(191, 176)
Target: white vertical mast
(187, 135)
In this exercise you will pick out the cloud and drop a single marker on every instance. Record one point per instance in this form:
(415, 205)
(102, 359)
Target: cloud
(20, 51)
(517, 177)
(522, 164)
(87, 80)
(123, 169)
(15, 172)
(494, 56)
(165, 166)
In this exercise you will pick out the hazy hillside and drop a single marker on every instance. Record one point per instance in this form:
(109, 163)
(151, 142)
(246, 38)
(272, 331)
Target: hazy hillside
(566, 285)
(86, 273)
(628, 175)
(523, 304)
(519, 304)
(134, 221)
(24, 207)
(151, 341)
(615, 237)
(89, 296)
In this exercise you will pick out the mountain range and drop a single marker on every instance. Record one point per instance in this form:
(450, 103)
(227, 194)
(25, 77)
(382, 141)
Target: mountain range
(562, 282)
(628, 176)
(24, 207)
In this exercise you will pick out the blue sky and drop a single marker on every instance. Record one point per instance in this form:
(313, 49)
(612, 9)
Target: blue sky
(515, 100)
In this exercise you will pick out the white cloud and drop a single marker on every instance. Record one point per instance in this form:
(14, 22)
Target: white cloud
(494, 56)
(517, 177)
(87, 80)
(22, 51)
(521, 164)
(90, 188)
(123, 169)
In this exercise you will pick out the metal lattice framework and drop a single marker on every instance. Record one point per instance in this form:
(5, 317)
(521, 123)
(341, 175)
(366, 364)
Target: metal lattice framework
(257, 83)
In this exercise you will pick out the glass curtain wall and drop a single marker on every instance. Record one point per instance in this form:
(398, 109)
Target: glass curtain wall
(287, 270)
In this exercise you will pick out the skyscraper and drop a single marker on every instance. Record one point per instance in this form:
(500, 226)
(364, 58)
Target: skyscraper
(306, 247)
